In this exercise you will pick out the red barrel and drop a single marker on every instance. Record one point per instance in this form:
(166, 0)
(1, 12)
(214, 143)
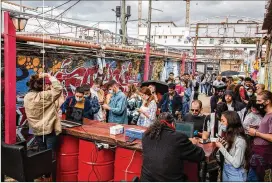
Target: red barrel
(191, 171)
(67, 161)
(94, 165)
(127, 165)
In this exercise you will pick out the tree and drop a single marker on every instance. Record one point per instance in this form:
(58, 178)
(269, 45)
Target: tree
(247, 40)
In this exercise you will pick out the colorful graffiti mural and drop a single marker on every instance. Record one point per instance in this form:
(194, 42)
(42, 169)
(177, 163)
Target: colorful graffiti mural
(71, 71)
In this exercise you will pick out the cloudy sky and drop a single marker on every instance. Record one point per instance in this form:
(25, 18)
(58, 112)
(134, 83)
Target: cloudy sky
(90, 12)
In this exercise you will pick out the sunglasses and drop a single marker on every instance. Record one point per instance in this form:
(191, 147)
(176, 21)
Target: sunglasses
(195, 110)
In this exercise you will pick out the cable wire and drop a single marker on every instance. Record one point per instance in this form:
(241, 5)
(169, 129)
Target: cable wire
(54, 8)
(50, 23)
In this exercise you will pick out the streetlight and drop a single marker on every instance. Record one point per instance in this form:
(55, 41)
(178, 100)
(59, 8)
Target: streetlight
(19, 23)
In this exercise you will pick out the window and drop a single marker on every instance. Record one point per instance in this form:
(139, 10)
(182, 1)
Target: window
(174, 37)
(159, 37)
(180, 37)
(211, 41)
(152, 37)
(165, 37)
(185, 42)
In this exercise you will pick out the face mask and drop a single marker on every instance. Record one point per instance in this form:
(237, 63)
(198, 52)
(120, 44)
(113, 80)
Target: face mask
(246, 87)
(182, 84)
(111, 91)
(239, 82)
(177, 82)
(86, 96)
(261, 108)
(249, 94)
(224, 128)
(96, 89)
(78, 99)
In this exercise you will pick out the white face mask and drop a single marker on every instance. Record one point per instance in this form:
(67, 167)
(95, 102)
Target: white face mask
(249, 94)
(111, 91)
(96, 88)
(79, 99)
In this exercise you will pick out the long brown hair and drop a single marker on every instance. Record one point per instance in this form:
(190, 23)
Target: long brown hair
(234, 129)
(145, 90)
(131, 90)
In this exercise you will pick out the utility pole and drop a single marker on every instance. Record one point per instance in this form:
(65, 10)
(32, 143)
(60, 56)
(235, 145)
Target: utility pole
(139, 15)
(123, 26)
(147, 55)
(149, 21)
(187, 21)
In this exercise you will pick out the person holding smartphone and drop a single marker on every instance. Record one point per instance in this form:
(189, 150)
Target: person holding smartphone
(234, 148)
(148, 109)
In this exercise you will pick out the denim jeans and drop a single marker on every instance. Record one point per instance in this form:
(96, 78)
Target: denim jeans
(185, 108)
(208, 88)
(231, 174)
(252, 175)
(49, 142)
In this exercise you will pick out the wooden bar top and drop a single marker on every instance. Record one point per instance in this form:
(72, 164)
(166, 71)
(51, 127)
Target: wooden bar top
(100, 132)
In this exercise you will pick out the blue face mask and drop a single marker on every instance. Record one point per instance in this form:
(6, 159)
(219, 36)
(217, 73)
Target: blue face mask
(224, 128)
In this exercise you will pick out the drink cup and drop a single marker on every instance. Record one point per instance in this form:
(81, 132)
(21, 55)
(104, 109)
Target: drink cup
(205, 135)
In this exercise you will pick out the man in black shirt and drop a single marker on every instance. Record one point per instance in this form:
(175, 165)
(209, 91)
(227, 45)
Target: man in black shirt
(196, 116)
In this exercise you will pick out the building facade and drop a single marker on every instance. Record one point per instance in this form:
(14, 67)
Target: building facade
(217, 53)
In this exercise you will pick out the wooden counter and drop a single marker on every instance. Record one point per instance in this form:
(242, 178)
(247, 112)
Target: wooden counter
(76, 164)
(100, 132)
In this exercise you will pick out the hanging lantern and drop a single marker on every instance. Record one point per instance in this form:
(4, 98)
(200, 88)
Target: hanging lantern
(19, 23)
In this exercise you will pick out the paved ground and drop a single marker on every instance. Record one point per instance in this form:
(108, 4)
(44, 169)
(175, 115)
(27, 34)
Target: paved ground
(205, 102)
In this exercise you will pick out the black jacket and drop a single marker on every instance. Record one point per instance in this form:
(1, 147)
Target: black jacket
(176, 105)
(163, 157)
(213, 101)
(197, 120)
(238, 106)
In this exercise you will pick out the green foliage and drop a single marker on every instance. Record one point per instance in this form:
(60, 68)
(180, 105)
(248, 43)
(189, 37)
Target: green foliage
(248, 41)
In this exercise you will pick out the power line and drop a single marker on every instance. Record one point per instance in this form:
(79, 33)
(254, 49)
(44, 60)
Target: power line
(55, 7)
(67, 9)
(50, 23)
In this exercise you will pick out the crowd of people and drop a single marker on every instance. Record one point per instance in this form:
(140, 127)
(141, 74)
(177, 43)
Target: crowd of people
(240, 117)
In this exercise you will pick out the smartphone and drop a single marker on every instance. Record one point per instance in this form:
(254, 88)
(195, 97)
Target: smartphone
(218, 136)
(253, 126)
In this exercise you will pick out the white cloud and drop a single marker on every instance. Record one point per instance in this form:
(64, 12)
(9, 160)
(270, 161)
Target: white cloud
(172, 11)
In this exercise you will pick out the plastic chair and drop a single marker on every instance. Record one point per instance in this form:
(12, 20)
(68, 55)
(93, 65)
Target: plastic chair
(23, 167)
